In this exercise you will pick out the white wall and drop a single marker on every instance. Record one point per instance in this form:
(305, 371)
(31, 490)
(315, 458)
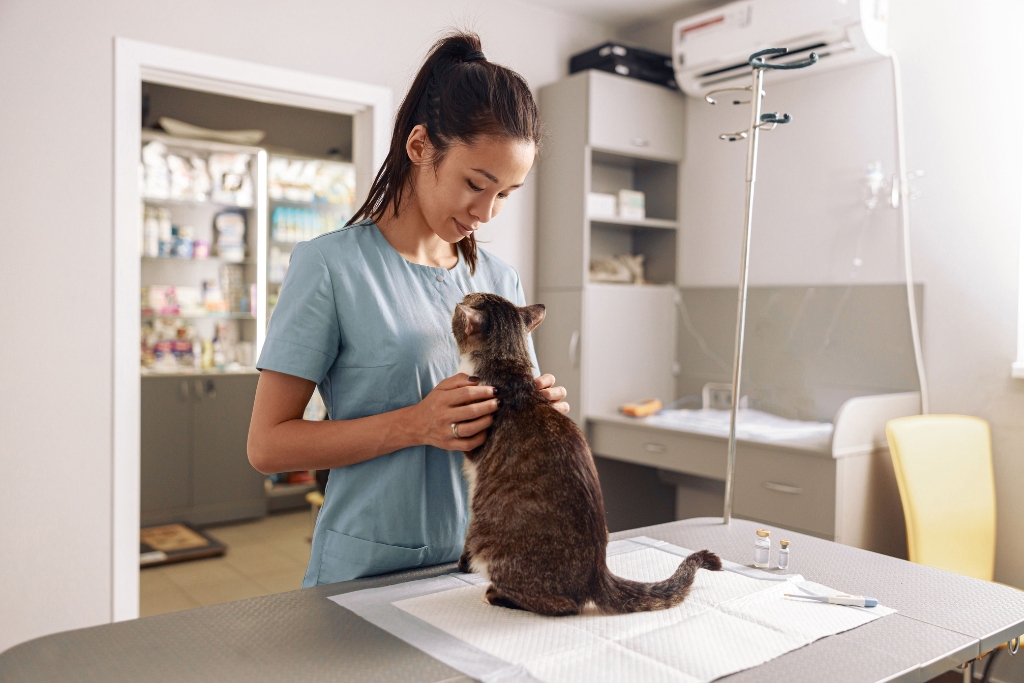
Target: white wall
(963, 117)
(56, 124)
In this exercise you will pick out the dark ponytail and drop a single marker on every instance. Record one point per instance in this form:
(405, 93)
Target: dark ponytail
(458, 96)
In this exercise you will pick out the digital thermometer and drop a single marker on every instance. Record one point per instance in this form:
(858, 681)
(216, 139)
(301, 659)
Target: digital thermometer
(849, 600)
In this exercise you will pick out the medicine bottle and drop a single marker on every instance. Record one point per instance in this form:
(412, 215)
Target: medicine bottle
(762, 548)
(783, 561)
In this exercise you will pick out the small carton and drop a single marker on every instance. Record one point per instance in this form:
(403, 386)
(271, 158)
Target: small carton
(632, 205)
(601, 205)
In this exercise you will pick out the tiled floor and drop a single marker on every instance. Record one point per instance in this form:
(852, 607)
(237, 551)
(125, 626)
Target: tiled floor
(263, 557)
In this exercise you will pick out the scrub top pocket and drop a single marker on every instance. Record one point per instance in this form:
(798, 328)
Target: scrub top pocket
(351, 557)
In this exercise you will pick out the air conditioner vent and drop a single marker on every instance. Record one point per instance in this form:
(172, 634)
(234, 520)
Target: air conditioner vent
(841, 33)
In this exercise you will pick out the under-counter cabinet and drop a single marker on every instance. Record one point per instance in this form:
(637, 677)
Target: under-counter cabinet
(195, 467)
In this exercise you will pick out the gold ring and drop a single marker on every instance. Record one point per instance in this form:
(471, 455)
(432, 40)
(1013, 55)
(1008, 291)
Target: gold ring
(455, 430)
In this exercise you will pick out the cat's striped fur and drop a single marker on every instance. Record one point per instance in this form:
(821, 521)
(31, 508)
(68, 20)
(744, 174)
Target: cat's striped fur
(538, 528)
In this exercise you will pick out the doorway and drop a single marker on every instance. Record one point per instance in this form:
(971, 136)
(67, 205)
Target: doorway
(205, 87)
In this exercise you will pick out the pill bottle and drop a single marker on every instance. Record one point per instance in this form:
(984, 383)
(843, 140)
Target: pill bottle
(762, 548)
(783, 560)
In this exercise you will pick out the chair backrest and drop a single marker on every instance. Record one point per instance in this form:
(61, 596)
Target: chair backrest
(943, 468)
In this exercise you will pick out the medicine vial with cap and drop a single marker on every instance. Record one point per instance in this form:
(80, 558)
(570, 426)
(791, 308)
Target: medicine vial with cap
(783, 561)
(762, 548)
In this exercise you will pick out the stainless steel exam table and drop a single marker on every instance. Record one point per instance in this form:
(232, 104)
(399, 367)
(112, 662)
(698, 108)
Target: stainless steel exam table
(943, 621)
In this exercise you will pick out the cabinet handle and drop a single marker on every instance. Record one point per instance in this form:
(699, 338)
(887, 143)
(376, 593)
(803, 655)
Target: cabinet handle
(574, 347)
(654, 448)
(184, 390)
(211, 389)
(782, 488)
(640, 142)
(198, 385)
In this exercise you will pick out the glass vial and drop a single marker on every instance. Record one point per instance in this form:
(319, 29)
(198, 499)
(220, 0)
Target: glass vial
(783, 559)
(762, 548)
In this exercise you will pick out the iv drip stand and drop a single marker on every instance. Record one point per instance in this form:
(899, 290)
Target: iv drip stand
(757, 121)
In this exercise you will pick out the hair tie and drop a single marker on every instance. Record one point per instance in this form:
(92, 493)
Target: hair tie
(474, 56)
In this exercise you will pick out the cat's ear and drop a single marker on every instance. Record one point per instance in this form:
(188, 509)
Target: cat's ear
(532, 316)
(474, 319)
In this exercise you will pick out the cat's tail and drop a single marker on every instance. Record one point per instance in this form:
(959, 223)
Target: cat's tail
(616, 595)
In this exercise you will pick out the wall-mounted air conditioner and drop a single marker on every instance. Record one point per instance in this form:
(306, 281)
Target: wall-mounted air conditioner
(710, 50)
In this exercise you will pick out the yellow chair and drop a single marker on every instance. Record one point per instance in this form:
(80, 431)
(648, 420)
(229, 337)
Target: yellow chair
(943, 469)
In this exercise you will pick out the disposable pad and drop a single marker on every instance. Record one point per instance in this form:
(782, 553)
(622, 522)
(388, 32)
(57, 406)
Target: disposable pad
(732, 620)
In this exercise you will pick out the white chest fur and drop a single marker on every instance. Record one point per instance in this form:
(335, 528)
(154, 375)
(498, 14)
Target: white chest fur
(466, 364)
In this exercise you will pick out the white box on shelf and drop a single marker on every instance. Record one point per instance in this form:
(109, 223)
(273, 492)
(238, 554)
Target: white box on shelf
(601, 205)
(632, 205)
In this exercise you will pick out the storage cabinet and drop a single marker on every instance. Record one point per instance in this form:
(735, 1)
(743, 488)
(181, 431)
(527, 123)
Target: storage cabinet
(633, 117)
(608, 343)
(195, 467)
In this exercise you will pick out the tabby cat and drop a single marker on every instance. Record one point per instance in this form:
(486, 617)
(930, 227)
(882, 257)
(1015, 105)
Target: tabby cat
(538, 528)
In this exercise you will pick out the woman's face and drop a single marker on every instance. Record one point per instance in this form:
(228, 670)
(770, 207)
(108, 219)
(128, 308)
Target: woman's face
(470, 185)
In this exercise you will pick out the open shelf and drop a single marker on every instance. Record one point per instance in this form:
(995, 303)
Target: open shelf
(656, 244)
(659, 223)
(658, 180)
(147, 372)
(208, 259)
(207, 316)
(194, 202)
(654, 236)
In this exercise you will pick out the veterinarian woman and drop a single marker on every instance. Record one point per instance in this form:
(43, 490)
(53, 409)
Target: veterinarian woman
(365, 316)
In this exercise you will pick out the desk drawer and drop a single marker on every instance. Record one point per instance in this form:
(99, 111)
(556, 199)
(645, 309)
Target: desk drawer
(673, 451)
(787, 489)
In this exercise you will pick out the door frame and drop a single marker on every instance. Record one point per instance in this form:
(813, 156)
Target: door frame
(135, 62)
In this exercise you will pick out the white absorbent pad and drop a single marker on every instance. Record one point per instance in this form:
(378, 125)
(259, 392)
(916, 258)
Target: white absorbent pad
(753, 425)
(732, 620)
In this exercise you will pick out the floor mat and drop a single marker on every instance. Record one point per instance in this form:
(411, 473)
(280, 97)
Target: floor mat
(171, 543)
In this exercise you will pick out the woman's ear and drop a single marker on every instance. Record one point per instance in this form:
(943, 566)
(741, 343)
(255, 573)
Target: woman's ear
(533, 316)
(474, 319)
(417, 145)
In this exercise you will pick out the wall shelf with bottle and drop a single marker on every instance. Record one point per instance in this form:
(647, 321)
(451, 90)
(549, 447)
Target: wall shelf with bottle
(204, 204)
(308, 196)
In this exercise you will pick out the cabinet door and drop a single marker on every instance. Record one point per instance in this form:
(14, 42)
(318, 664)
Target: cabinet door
(633, 117)
(563, 172)
(227, 487)
(558, 340)
(166, 450)
(628, 345)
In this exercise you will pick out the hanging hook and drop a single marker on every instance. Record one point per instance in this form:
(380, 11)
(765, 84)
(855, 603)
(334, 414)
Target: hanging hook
(711, 100)
(757, 59)
(733, 137)
(773, 117)
(1015, 647)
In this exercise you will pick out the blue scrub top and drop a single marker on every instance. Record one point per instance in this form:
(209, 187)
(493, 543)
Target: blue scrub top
(374, 332)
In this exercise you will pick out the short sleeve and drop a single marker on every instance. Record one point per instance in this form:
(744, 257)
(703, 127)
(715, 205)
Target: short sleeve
(521, 301)
(304, 336)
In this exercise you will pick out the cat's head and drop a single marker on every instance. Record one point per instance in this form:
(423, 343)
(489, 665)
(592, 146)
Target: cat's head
(488, 322)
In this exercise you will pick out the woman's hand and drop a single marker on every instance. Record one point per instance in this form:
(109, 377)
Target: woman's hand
(546, 384)
(456, 400)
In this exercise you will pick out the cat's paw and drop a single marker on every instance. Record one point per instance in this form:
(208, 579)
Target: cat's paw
(464, 564)
(493, 597)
